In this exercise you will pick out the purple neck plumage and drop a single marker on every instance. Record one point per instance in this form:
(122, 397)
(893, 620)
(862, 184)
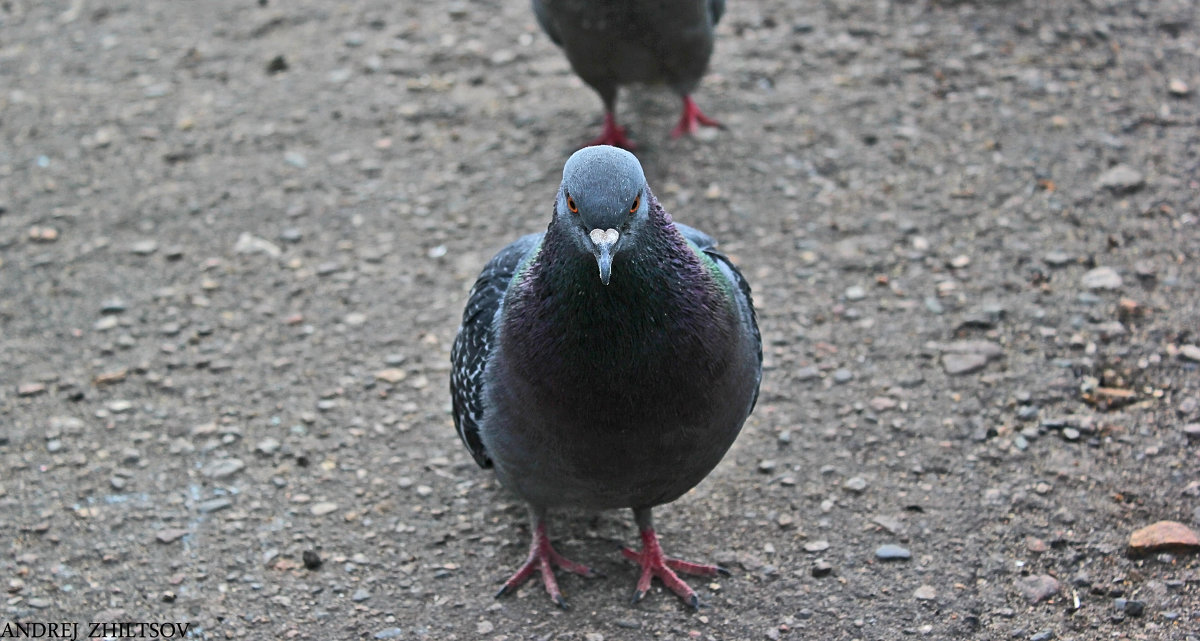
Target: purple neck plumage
(662, 305)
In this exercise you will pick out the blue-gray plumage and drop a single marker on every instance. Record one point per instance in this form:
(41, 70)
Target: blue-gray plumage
(607, 363)
(610, 43)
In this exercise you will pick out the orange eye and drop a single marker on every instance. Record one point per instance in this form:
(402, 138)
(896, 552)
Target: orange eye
(636, 203)
(571, 205)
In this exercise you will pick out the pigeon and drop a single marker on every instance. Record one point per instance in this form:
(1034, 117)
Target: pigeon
(610, 43)
(606, 363)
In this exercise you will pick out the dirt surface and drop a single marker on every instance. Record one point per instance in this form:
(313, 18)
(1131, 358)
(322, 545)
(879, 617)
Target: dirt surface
(236, 238)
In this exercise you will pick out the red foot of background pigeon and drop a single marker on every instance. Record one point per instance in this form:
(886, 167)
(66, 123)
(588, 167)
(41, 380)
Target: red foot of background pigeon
(691, 119)
(613, 134)
(543, 557)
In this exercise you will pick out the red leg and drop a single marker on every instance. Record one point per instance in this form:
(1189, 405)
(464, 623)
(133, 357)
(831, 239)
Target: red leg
(691, 119)
(613, 134)
(542, 558)
(655, 564)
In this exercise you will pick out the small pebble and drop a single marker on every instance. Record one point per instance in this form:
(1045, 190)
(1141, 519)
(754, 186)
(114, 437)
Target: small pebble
(322, 508)
(360, 595)
(312, 560)
(144, 247)
(807, 373)
(223, 468)
(1163, 536)
(389, 633)
(1037, 587)
(119, 406)
(30, 389)
(213, 505)
(295, 159)
(892, 552)
(1121, 179)
(170, 535)
(1130, 607)
(960, 364)
(267, 446)
(112, 306)
(816, 546)
(1101, 278)
(1190, 353)
(1057, 258)
(925, 593)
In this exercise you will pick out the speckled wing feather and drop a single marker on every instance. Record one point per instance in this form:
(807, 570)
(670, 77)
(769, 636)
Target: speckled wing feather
(475, 339)
(706, 244)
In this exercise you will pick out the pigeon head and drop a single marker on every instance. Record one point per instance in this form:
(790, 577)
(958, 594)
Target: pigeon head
(603, 201)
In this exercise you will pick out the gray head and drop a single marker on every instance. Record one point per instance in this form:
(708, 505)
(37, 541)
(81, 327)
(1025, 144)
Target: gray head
(603, 201)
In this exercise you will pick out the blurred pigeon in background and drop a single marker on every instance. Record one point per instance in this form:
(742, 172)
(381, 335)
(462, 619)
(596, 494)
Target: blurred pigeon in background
(619, 42)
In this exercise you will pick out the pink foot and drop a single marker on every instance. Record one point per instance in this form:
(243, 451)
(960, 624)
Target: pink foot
(691, 119)
(613, 134)
(543, 558)
(655, 564)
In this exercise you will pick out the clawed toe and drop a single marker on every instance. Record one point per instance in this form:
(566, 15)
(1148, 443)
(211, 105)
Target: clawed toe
(655, 565)
(542, 559)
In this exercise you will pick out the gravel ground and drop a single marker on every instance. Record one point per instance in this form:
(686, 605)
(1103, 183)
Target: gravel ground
(236, 238)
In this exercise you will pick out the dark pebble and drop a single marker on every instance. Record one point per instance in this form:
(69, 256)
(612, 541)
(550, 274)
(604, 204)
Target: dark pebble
(312, 560)
(277, 65)
(1131, 607)
(821, 568)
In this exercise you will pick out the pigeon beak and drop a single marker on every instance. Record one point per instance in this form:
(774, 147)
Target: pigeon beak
(603, 242)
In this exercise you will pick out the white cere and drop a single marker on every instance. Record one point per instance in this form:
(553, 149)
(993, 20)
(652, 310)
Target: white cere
(604, 236)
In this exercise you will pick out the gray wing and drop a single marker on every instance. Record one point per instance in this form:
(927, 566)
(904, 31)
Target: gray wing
(716, 9)
(475, 339)
(543, 18)
(745, 301)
